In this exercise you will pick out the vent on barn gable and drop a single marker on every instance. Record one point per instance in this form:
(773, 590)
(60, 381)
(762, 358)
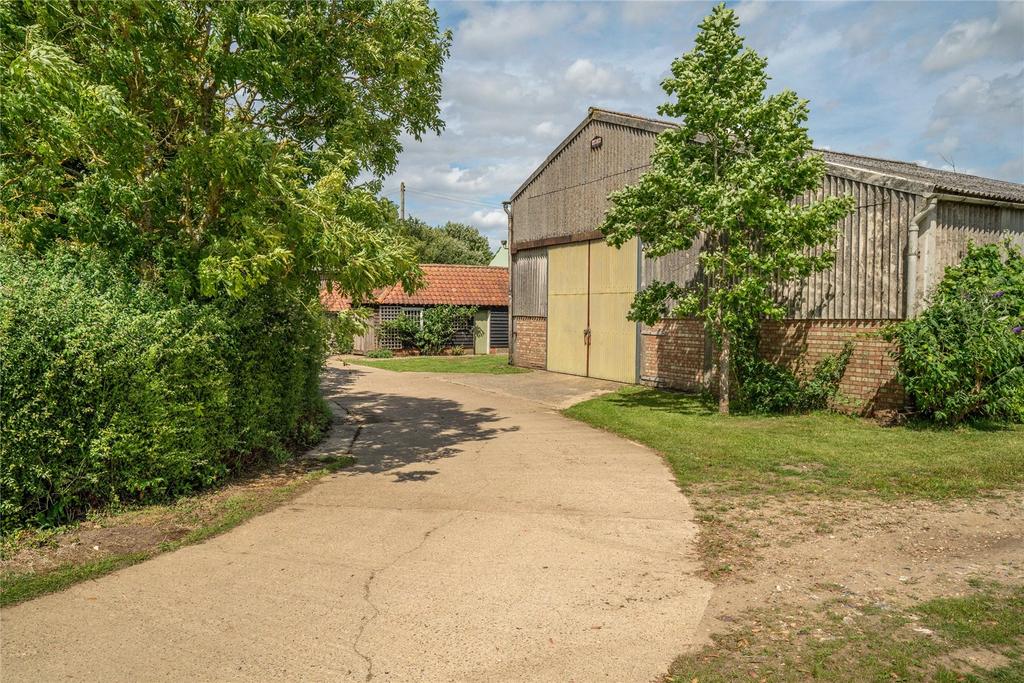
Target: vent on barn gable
(596, 142)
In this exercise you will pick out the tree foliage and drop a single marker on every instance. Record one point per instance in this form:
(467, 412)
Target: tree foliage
(216, 144)
(448, 243)
(177, 178)
(730, 180)
(963, 357)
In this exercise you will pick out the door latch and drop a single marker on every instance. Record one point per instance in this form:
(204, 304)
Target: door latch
(586, 336)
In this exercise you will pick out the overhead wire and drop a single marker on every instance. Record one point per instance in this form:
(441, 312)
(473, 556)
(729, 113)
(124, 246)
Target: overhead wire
(450, 197)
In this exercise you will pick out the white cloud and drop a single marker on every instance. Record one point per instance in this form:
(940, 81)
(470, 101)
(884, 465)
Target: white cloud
(995, 104)
(491, 29)
(588, 78)
(547, 129)
(802, 50)
(489, 221)
(642, 13)
(979, 113)
(750, 10)
(967, 41)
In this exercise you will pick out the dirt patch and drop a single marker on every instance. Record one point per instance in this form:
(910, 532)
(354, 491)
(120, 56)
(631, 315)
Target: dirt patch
(968, 659)
(764, 553)
(781, 563)
(807, 588)
(145, 529)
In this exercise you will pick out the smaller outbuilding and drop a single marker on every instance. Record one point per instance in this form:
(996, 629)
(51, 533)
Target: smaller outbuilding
(484, 288)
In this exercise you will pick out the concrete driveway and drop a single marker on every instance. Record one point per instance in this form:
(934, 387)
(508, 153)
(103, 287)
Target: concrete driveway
(480, 537)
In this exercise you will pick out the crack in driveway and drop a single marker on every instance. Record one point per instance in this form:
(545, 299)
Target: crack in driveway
(369, 582)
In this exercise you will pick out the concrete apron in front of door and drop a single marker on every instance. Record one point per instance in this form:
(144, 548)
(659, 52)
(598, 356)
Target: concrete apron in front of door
(479, 537)
(590, 288)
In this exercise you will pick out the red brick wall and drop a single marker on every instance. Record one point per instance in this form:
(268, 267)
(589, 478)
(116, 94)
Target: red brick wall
(869, 383)
(673, 357)
(530, 342)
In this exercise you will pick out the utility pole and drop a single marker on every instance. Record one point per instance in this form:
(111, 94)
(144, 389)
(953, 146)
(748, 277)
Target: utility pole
(401, 192)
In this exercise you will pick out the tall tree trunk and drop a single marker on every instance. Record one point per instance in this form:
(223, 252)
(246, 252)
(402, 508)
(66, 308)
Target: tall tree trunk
(724, 362)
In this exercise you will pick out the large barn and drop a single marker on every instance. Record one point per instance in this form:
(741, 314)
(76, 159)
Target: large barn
(571, 292)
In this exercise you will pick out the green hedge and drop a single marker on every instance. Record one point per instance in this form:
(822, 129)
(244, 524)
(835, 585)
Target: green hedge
(113, 392)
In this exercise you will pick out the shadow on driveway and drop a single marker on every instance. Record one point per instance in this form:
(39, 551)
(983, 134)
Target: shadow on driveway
(388, 431)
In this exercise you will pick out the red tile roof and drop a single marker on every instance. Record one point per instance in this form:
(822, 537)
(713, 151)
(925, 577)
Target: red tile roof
(444, 284)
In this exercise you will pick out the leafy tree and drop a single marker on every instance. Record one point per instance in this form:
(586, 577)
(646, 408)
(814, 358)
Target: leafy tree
(216, 144)
(727, 178)
(441, 324)
(179, 177)
(448, 243)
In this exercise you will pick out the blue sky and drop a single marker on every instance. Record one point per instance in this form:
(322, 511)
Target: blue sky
(938, 83)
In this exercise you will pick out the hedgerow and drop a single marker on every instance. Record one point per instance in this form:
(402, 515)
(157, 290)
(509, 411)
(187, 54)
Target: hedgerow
(112, 392)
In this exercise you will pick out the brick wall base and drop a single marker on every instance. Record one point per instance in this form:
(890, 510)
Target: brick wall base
(673, 356)
(530, 342)
(869, 383)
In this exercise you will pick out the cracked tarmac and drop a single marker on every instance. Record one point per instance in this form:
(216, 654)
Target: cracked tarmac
(480, 536)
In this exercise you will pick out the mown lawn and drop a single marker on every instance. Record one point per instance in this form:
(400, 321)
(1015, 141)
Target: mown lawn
(491, 365)
(823, 454)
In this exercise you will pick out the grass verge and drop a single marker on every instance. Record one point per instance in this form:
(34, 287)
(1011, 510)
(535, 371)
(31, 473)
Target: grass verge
(491, 364)
(197, 520)
(823, 454)
(975, 637)
(804, 521)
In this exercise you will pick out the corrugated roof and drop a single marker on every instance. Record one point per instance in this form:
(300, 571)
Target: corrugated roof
(947, 182)
(944, 181)
(444, 284)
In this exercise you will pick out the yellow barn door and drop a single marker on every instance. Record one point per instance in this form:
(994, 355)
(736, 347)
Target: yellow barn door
(612, 287)
(567, 308)
(590, 288)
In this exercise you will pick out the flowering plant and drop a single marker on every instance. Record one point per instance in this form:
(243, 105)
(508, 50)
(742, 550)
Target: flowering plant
(963, 356)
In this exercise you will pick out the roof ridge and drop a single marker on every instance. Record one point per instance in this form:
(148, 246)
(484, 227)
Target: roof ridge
(641, 117)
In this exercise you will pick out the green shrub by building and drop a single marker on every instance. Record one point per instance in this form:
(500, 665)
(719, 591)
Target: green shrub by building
(963, 357)
(765, 387)
(435, 332)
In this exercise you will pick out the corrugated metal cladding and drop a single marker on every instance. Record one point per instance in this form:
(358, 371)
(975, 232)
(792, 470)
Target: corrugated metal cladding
(568, 196)
(571, 195)
(959, 224)
(530, 283)
(867, 280)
